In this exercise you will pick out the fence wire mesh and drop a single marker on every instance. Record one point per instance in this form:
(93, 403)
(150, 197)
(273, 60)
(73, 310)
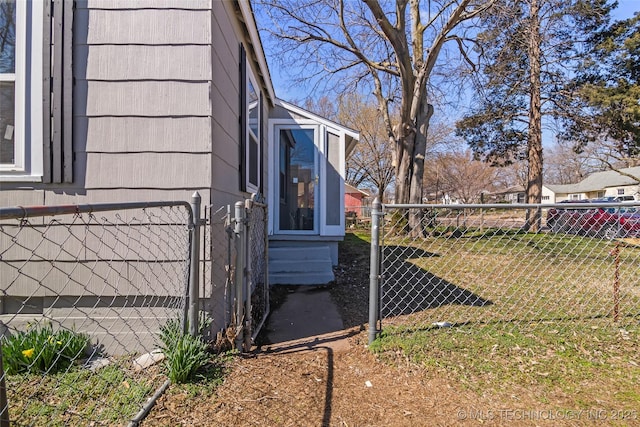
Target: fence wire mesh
(476, 267)
(258, 263)
(217, 295)
(83, 295)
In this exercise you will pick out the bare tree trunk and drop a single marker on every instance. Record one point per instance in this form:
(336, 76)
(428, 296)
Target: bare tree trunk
(416, 226)
(534, 146)
(404, 168)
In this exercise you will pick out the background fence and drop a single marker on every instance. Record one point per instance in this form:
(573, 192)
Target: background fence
(86, 290)
(476, 267)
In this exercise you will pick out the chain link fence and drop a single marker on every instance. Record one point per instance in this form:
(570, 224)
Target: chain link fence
(564, 268)
(217, 294)
(85, 291)
(258, 274)
(250, 271)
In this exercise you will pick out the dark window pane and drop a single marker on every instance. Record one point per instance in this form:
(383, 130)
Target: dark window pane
(7, 36)
(7, 129)
(254, 109)
(253, 161)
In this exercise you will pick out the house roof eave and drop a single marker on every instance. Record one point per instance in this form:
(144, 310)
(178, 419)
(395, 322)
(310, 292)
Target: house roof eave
(301, 111)
(254, 36)
(598, 181)
(350, 146)
(352, 137)
(350, 189)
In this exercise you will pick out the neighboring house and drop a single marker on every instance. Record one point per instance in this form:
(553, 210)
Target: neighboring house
(356, 202)
(515, 194)
(156, 99)
(597, 185)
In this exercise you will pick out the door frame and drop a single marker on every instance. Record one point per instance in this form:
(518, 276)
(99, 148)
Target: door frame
(275, 125)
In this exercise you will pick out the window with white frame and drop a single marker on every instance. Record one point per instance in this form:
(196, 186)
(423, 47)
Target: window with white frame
(20, 91)
(10, 155)
(252, 150)
(620, 191)
(250, 129)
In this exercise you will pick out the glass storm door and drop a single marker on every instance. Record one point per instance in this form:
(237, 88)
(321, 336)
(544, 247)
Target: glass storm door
(297, 180)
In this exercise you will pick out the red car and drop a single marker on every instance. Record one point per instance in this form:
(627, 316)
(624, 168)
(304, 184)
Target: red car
(603, 221)
(610, 222)
(565, 220)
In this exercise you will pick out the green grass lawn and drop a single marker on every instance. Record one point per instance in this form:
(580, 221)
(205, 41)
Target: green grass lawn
(555, 314)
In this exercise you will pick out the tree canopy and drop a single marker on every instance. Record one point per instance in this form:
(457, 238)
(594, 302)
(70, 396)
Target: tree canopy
(389, 48)
(528, 51)
(607, 89)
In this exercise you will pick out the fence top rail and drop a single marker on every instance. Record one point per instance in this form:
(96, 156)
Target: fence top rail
(20, 212)
(515, 205)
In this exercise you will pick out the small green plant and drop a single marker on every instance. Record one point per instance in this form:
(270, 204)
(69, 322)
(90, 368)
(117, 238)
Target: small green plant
(40, 349)
(184, 353)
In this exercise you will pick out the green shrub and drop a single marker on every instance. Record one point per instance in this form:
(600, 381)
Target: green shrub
(184, 353)
(39, 349)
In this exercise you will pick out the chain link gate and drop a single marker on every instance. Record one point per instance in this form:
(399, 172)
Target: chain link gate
(475, 266)
(251, 271)
(258, 273)
(238, 242)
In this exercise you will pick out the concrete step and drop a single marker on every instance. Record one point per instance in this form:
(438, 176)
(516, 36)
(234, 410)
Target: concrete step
(300, 265)
(294, 253)
(308, 278)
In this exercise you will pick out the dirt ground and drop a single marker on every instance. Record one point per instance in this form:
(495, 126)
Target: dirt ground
(351, 387)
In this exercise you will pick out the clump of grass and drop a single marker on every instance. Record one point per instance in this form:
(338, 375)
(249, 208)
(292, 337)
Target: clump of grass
(184, 353)
(41, 350)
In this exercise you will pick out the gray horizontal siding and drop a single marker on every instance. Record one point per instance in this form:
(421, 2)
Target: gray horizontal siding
(142, 106)
(145, 4)
(146, 170)
(140, 134)
(155, 118)
(117, 330)
(94, 278)
(12, 195)
(136, 62)
(144, 26)
(128, 195)
(146, 99)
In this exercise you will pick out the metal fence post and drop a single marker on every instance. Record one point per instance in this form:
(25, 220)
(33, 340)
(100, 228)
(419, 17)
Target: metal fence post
(194, 265)
(374, 269)
(249, 277)
(239, 233)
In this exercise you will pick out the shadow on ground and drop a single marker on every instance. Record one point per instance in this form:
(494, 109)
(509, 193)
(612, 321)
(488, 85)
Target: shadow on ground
(407, 288)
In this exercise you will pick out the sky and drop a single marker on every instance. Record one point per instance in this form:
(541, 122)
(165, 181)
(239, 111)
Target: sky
(286, 91)
(626, 8)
